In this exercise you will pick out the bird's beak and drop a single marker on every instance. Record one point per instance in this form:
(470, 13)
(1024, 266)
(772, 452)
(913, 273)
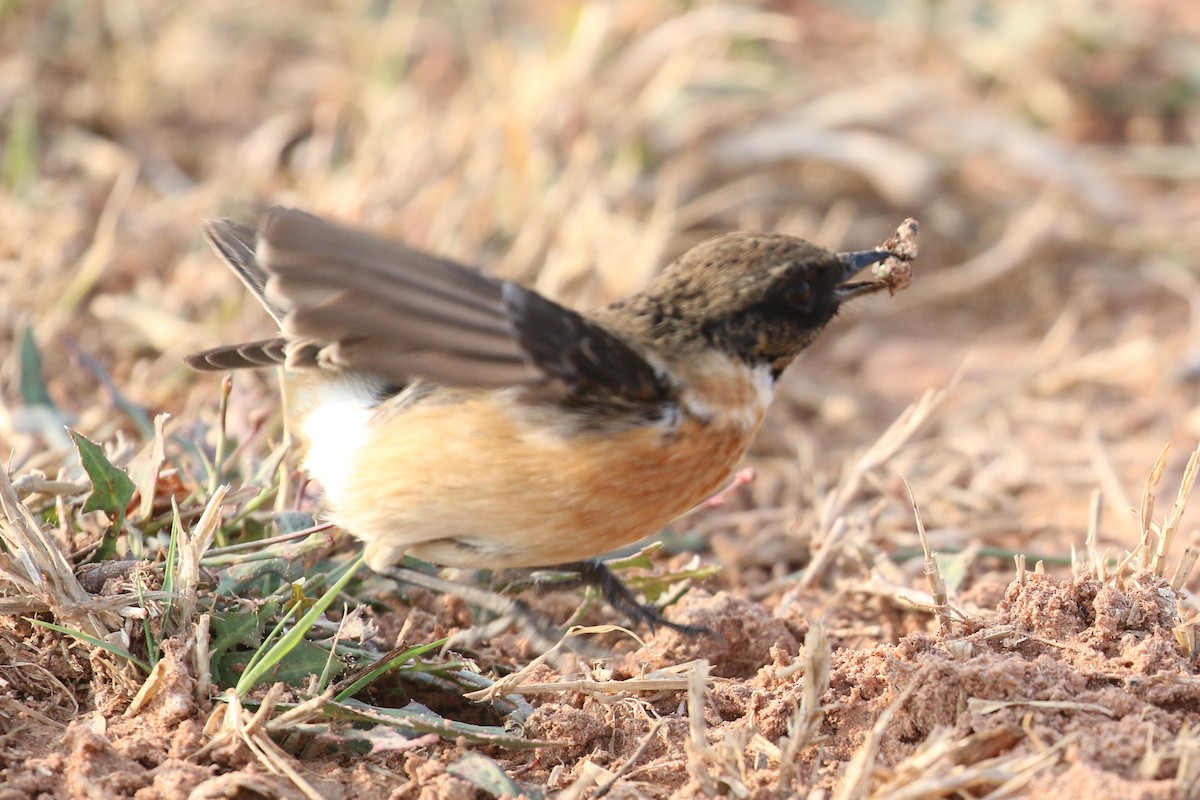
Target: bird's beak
(855, 263)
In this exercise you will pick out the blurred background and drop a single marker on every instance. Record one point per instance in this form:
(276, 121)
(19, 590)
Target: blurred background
(1048, 150)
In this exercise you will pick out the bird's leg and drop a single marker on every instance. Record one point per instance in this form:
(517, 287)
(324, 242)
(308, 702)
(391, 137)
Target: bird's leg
(506, 609)
(617, 594)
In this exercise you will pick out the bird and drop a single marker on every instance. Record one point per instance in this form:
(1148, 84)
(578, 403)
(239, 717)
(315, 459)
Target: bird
(471, 422)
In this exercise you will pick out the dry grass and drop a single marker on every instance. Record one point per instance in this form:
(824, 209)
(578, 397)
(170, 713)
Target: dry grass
(1046, 350)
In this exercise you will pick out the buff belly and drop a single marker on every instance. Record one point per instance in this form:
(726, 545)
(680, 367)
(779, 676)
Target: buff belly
(466, 485)
(479, 481)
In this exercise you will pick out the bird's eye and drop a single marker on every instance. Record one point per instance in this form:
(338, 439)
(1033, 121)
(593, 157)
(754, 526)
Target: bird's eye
(800, 296)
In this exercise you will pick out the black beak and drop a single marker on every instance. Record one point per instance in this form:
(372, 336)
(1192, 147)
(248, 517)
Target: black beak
(855, 263)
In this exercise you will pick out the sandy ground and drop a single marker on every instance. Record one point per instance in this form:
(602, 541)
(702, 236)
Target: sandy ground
(1038, 640)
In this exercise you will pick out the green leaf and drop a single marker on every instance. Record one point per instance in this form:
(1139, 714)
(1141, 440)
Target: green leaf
(656, 586)
(305, 660)
(270, 657)
(411, 654)
(255, 574)
(294, 668)
(235, 628)
(19, 160)
(112, 489)
(33, 387)
(292, 521)
(120, 652)
(954, 568)
(419, 720)
(484, 773)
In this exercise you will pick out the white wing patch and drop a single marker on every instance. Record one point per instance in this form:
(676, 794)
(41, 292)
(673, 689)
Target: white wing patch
(335, 427)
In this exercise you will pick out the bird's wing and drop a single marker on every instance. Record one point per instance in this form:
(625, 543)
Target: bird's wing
(352, 301)
(236, 244)
(265, 353)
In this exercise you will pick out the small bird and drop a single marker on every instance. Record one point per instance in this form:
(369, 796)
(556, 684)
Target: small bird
(472, 422)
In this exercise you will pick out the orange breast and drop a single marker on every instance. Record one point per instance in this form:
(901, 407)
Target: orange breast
(481, 482)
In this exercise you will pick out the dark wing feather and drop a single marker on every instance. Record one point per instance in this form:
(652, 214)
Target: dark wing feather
(386, 309)
(380, 307)
(353, 301)
(582, 354)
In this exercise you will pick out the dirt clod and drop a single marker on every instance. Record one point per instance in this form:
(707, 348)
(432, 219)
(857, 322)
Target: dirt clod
(743, 634)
